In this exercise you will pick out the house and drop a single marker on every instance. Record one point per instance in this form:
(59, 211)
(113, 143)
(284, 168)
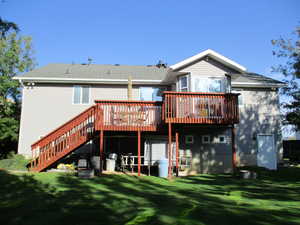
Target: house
(206, 114)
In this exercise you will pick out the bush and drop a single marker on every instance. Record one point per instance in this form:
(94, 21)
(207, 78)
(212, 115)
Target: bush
(14, 162)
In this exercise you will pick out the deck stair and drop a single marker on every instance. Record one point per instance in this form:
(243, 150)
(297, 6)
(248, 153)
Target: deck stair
(63, 140)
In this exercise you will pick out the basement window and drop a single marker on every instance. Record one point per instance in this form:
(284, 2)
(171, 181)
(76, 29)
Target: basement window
(189, 139)
(222, 139)
(205, 139)
(81, 94)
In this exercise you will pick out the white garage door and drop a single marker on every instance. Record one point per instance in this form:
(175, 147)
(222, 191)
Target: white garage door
(266, 154)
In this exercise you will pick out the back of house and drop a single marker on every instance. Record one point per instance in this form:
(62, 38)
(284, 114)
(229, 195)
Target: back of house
(205, 114)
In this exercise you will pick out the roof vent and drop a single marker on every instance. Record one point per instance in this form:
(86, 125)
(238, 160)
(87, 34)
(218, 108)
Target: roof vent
(161, 64)
(67, 71)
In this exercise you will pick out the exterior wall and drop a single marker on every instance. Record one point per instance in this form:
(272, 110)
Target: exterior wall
(208, 158)
(205, 158)
(46, 107)
(207, 68)
(259, 114)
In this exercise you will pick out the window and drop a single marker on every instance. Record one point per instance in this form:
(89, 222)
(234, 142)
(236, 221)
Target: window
(205, 139)
(221, 139)
(183, 85)
(151, 94)
(240, 98)
(209, 84)
(189, 139)
(215, 85)
(81, 95)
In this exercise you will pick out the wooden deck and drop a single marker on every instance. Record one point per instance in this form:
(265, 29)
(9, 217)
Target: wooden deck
(128, 115)
(139, 116)
(201, 108)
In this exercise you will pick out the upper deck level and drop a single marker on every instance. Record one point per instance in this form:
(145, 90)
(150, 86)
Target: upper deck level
(176, 107)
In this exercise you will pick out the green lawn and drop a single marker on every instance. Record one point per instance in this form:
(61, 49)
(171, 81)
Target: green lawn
(54, 198)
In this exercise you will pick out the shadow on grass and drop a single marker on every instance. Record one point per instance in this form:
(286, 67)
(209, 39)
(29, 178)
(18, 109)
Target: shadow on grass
(120, 199)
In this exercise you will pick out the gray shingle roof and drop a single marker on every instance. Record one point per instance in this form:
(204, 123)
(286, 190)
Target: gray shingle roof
(94, 71)
(248, 77)
(122, 72)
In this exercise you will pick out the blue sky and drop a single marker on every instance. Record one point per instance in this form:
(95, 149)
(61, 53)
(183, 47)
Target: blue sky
(138, 32)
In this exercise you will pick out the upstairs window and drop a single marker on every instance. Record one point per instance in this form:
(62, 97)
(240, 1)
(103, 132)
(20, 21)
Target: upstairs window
(201, 84)
(151, 94)
(183, 85)
(81, 94)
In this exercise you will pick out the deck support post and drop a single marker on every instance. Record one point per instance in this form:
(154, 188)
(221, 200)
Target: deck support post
(32, 157)
(233, 134)
(101, 151)
(139, 153)
(170, 151)
(177, 154)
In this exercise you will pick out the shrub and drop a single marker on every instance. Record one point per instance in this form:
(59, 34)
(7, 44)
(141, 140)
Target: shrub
(14, 162)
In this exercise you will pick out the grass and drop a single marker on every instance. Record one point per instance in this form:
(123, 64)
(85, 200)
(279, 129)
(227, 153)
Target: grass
(56, 198)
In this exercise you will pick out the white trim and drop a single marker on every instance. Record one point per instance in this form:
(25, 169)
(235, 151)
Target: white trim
(246, 84)
(214, 55)
(83, 80)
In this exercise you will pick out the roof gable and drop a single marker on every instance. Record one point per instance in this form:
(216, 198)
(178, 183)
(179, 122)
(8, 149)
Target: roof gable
(216, 56)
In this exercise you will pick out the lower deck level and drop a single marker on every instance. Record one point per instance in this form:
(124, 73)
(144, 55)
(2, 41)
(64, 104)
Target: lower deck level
(204, 149)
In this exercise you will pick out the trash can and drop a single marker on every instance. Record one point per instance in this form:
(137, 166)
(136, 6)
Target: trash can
(110, 165)
(163, 165)
(96, 164)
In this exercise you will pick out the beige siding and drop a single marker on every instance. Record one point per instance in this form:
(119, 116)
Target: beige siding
(208, 68)
(47, 107)
(258, 115)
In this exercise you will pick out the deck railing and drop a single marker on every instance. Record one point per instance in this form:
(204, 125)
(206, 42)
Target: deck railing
(203, 108)
(128, 115)
(63, 140)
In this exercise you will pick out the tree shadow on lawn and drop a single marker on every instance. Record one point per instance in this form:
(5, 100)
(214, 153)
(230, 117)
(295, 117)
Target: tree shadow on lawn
(121, 199)
(280, 185)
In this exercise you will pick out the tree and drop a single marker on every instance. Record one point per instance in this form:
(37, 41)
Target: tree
(6, 26)
(15, 58)
(289, 50)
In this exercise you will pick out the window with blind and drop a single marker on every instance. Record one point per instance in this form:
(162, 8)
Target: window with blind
(81, 94)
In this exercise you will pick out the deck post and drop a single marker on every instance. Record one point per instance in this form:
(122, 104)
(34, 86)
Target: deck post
(139, 153)
(169, 151)
(32, 157)
(177, 154)
(101, 151)
(233, 134)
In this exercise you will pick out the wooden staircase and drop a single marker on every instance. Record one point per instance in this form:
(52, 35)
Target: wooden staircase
(64, 139)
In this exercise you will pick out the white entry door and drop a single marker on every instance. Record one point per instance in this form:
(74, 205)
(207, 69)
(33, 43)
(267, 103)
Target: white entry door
(266, 154)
